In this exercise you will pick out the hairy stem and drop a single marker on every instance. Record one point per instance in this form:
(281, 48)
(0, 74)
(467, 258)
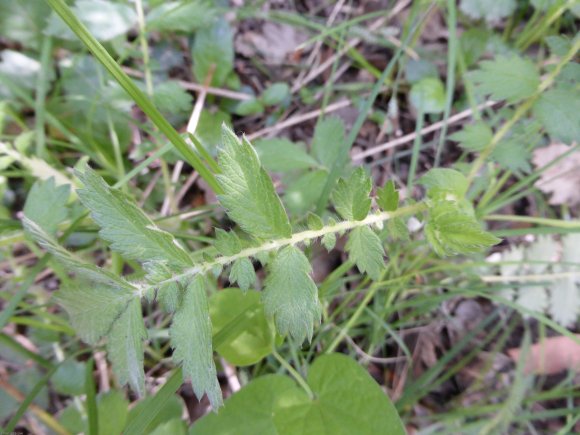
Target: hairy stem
(297, 238)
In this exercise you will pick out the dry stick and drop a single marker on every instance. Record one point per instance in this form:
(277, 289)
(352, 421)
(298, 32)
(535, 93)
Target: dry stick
(317, 46)
(190, 86)
(299, 119)
(411, 136)
(191, 127)
(350, 44)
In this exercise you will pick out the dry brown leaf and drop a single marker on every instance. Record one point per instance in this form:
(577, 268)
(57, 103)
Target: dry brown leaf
(561, 180)
(274, 43)
(551, 356)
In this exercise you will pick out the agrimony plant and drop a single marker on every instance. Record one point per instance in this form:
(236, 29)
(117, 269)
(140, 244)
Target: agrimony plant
(103, 304)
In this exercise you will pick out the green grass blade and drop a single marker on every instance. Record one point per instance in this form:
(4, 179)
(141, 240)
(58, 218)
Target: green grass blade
(101, 54)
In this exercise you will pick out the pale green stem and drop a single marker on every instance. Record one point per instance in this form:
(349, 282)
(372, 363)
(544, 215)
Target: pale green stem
(305, 236)
(534, 220)
(294, 374)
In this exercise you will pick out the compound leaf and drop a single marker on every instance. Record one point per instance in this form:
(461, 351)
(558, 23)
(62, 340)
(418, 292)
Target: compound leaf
(249, 196)
(125, 226)
(365, 248)
(351, 196)
(191, 339)
(125, 347)
(290, 295)
(507, 78)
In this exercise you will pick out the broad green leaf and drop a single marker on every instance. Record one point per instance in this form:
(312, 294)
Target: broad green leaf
(113, 410)
(23, 21)
(290, 295)
(507, 78)
(249, 107)
(175, 426)
(451, 231)
(347, 401)
(125, 347)
(283, 155)
(227, 242)
(69, 378)
(46, 204)
(105, 20)
(275, 94)
(92, 309)
(473, 137)
(559, 112)
(388, 196)
(125, 226)
(249, 196)
(416, 70)
(301, 195)
(243, 273)
(428, 95)
(213, 52)
(164, 410)
(249, 337)
(170, 97)
(88, 271)
(191, 339)
(490, 10)
(366, 250)
(445, 180)
(179, 16)
(328, 141)
(351, 197)
(250, 410)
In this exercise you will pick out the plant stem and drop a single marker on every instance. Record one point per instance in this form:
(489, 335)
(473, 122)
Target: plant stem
(415, 155)
(294, 374)
(534, 220)
(304, 236)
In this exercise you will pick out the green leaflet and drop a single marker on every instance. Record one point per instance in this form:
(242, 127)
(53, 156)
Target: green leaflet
(243, 273)
(46, 204)
(283, 155)
(507, 78)
(213, 52)
(351, 196)
(445, 180)
(473, 137)
(92, 273)
(125, 226)
(191, 339)
(93, 308)
(227, 242)
(559, 112)
(290, 295)
(125, 347)
(388, 196)
(365, 248)
(249, 196)
(328, 141)
(451, 231)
